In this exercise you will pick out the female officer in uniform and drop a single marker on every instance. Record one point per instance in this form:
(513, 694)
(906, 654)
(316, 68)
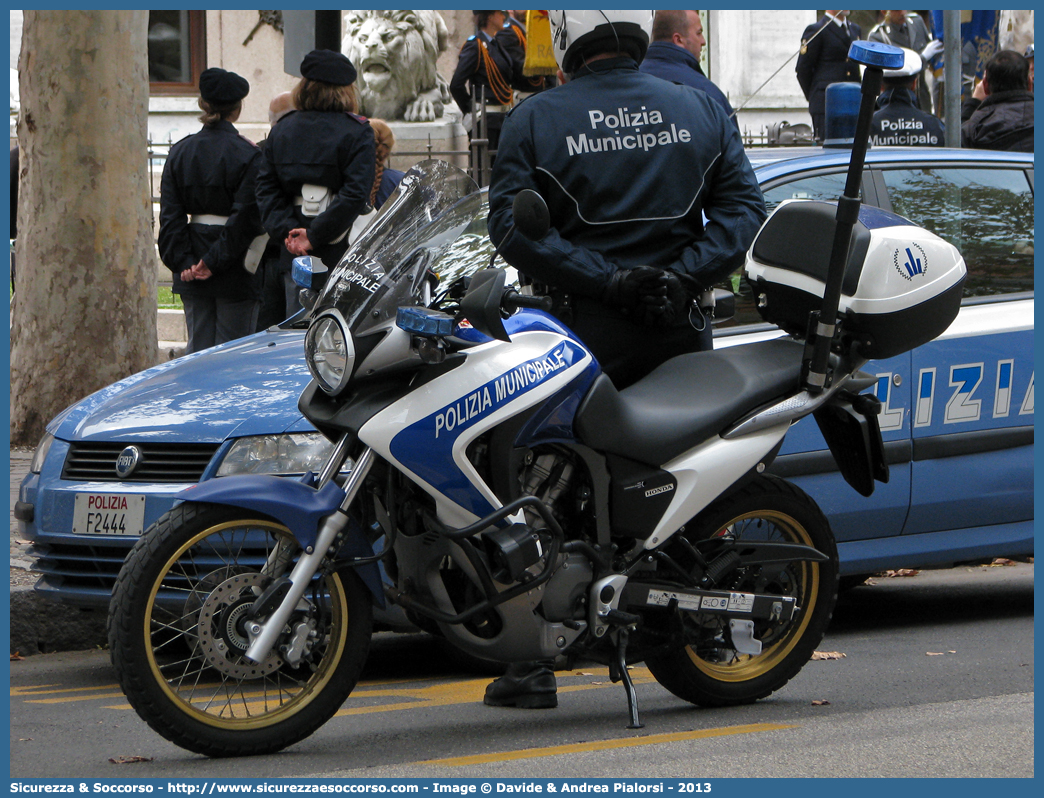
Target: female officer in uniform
(208, 217)
(317, 167)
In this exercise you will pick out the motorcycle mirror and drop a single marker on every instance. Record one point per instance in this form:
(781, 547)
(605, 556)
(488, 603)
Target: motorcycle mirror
(481, 305)
(531, 215)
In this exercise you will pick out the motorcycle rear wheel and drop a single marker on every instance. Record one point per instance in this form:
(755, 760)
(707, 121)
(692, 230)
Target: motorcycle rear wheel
(708, 672)
(176, 636)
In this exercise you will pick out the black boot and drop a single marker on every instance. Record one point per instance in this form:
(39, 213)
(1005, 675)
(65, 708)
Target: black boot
(527, 685)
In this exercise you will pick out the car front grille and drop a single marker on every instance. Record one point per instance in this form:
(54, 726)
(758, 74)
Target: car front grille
(160, 462)
(84, 574)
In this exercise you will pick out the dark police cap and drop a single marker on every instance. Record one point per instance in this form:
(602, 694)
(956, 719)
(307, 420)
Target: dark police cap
(220, 87)
(328, 66)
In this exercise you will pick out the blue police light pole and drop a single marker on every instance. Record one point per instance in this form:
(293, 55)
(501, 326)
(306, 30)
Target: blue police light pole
(876, 58)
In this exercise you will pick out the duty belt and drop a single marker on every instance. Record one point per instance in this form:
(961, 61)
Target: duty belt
(299, 201)
(497, 109)
(252, 256)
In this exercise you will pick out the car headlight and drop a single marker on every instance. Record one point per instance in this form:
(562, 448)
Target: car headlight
(42, 448)
(293, 453)
(330, 352)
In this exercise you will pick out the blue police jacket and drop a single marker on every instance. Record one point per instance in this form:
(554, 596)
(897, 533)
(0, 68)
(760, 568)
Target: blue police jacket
(628, 165)
(899, 122)
(669, 61)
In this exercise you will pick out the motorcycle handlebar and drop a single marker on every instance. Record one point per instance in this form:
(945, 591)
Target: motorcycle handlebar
(514, 300)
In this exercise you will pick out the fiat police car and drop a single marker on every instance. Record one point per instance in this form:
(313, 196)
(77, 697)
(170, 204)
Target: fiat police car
(957, 415)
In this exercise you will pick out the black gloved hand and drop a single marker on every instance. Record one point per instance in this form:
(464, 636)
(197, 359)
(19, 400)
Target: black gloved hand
(628, 287)
(665, 305)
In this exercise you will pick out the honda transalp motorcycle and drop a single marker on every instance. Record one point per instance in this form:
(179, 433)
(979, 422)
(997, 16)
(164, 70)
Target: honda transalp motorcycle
(489, 479)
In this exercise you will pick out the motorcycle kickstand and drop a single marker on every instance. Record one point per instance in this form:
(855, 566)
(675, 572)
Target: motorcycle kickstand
(622, 675)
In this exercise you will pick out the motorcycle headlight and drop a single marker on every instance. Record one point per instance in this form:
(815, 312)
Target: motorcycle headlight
(330, 353)
(292, 453)
(42, 448)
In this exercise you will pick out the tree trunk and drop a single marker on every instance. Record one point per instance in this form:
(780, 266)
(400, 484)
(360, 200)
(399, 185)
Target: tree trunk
(84, 308)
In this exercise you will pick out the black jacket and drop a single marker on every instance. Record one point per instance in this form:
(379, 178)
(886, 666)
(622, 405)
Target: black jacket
(899, 122)
(323, 148)
(824, 60)
(471, 72)
(210, 172)
(513, 37)
(669, 61)
(1004, 121)
(628, 164)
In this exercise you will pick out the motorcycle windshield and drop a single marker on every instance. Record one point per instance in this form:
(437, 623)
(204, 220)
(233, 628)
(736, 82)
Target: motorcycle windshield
(419, 229)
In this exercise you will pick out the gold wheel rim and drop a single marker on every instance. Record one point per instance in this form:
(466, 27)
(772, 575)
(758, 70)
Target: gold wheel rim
(744, 667)
(243, 705)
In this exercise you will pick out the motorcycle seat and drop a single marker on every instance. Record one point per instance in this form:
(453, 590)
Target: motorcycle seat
(686, 400)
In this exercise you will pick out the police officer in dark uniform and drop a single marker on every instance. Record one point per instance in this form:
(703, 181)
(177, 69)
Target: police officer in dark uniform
(628, 164)
(513, 37)
(823, 60)
(273, 291)
(899, 121)
(317, 168)
(486, 68)
(208, 217)
(907, 30)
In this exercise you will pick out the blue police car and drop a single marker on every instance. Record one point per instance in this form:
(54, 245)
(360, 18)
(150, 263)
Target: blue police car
(957, 418)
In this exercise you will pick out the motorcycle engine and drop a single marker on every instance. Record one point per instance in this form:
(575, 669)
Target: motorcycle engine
(552, 478)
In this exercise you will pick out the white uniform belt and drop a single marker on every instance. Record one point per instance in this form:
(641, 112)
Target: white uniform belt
(497, 109)
(340, 238)
(252, 257)
(207, 218)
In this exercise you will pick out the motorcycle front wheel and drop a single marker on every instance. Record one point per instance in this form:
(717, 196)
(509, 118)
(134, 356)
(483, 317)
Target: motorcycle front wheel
(708, 671)
(177, 635)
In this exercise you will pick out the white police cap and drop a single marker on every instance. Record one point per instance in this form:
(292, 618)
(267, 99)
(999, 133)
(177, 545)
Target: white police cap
(912, 65)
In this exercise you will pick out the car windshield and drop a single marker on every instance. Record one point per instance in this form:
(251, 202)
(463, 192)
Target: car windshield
(433, 227)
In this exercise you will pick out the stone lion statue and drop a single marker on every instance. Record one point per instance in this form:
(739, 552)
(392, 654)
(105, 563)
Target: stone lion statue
(395, 53)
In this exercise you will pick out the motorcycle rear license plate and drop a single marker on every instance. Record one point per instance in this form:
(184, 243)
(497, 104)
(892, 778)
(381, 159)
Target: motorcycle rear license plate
(116, 514)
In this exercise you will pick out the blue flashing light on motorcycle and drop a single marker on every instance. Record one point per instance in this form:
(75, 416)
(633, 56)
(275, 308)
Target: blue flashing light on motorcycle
(425, 322)
(522, 506)
(309, 272)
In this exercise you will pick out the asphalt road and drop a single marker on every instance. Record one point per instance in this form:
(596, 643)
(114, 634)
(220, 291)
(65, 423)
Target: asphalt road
(936, 681)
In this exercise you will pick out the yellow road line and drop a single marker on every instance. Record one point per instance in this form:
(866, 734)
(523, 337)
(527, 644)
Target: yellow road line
(469, 692)
(49, 689)
(605, 745)
(422, 695)
(70, 699)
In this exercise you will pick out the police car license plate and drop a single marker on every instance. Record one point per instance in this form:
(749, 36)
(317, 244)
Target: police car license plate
(108, 514)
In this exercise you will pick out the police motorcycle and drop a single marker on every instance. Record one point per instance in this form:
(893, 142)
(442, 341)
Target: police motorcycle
(520, 505)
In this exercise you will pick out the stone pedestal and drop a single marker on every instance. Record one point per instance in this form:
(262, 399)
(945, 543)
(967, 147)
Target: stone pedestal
(445, 139)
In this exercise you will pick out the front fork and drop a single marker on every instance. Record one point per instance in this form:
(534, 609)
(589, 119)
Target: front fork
(264, 633)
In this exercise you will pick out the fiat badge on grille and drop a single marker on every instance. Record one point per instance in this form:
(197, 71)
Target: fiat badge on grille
(128, 461)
